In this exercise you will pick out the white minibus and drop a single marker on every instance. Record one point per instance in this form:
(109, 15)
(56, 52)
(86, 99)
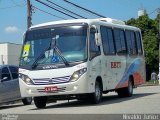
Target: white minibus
(80, 59)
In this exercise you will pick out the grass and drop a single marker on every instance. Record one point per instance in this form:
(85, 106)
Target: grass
(152, 82)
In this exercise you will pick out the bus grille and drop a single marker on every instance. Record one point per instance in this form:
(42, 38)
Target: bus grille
(47, 81)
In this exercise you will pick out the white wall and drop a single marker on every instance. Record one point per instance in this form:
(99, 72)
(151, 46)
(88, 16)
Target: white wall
(10, 53)
(14, 51)
(3, 53)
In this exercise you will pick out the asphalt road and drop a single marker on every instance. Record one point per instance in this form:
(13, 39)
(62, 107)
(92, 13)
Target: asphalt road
(146, 100)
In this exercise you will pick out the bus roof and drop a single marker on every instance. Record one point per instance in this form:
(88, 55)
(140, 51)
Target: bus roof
(101, 21)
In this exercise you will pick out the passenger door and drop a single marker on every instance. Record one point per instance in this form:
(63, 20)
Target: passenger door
(95, 61)
(5, 85)
(15, 83)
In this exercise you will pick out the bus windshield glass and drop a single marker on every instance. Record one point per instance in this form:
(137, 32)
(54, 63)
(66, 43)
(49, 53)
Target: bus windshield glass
(54, 45)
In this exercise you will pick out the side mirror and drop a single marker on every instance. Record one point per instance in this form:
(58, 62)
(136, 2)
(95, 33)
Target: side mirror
(4, 79)
(97, 35)
(97, 38)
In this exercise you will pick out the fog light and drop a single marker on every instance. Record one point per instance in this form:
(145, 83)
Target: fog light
(75, 87)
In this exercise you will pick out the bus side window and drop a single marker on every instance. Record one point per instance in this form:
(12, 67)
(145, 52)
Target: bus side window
(134, 43)
(120, 41)
(107, 40)
(139, 44)
(94, 49)
(131, 42)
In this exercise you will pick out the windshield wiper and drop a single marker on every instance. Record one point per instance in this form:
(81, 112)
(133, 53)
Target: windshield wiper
(41, 55)
(49, 47)
(62, 57)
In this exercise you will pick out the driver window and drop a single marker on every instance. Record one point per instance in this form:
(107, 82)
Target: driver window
(5, 73)
(94, 49)
(14, 72)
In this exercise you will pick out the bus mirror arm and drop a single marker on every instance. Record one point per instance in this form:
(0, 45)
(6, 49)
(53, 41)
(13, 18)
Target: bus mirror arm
(24, 35)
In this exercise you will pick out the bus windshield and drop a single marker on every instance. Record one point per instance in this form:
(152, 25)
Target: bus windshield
(56, 45)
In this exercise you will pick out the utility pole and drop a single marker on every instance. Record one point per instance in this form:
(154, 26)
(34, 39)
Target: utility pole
(159, 36)
(158, 12)
(29, 14)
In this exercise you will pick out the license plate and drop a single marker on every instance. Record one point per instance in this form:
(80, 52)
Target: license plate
(51, 89)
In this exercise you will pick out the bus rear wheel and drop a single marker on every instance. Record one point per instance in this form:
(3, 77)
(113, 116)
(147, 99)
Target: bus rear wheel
(97, 95)
(129, 89)
(126, 92)
(40, 102)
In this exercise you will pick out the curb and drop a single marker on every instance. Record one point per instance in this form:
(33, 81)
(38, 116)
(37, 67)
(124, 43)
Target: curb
(149, 85)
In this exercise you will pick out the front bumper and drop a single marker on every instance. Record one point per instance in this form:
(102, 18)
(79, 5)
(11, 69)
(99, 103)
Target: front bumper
(80, 86)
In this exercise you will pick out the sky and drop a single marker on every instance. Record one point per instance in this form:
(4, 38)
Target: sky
(13, 20)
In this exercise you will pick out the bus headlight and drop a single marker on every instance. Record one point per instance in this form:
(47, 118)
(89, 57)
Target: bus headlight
(26, 79)
(76, 75)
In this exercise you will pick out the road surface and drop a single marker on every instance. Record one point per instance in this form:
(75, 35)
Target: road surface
(145, 100)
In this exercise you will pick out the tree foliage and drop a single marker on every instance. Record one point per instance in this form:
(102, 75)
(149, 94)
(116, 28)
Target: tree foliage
(149, 28)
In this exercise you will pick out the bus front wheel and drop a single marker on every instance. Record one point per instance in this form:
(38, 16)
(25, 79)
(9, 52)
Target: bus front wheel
(97, 95)
(40, 102)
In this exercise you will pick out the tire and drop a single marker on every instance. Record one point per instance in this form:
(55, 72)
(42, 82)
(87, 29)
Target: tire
(97, 95)
(121, 92)
(27, 101)
(126, 92)
(129, 90)
(40, 102)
